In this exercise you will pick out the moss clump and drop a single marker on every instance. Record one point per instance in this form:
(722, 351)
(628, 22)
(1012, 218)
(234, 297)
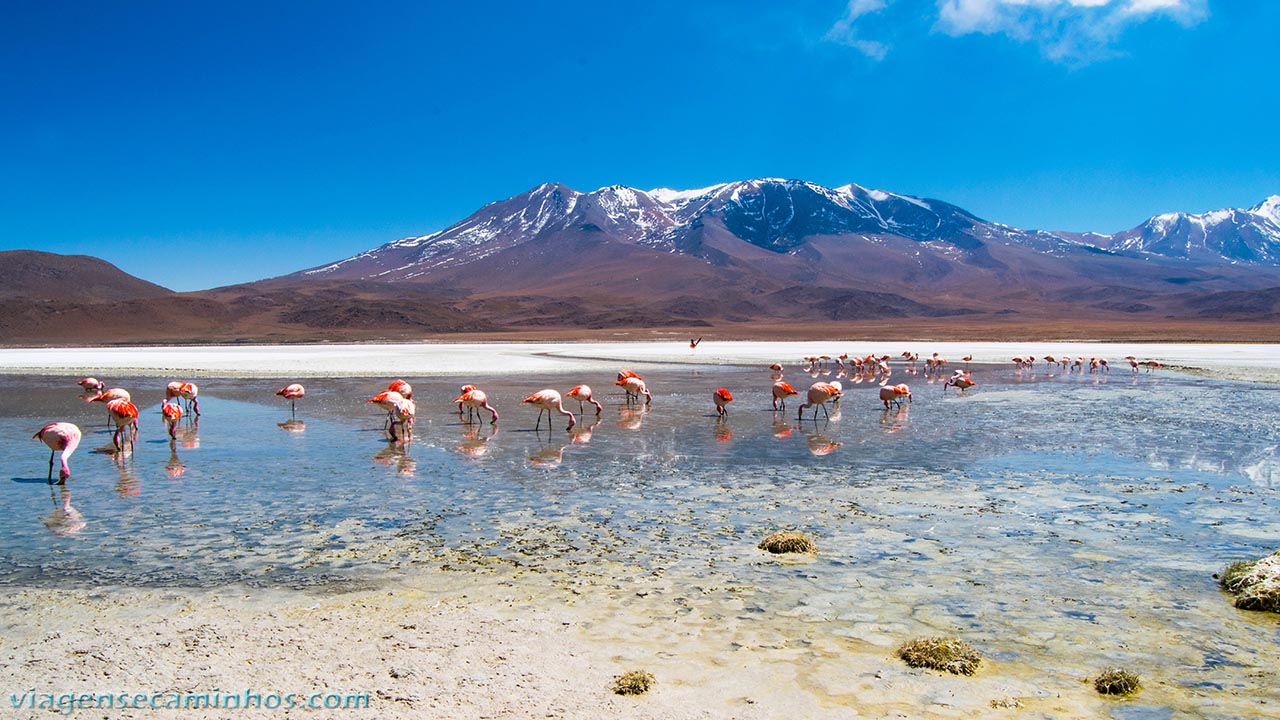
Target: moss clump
(1115, 681)
(952, 655)
(1255, 583)
(636, 682)
(788, 542)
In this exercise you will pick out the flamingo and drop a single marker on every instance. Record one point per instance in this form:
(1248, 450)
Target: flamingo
(775, 372)
(895, 394)
(582, 393)
(624, 374)
(172, 413)
(400, 410)
(190, 392)
(125, 416)
(1133, 362)
(967, 359)
(106, 396)
(635, 387)
(820, 393)
(475, 399)
(781, 391)
(402, 387)
(59, 436)
(548, 400)
(960, 380)
(694, 343)
(721, 397)
(291, 393)
(185, 390)
(91, 384)
(463, 391)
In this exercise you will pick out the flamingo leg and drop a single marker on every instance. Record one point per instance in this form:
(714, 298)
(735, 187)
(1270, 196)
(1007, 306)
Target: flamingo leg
(51, 454)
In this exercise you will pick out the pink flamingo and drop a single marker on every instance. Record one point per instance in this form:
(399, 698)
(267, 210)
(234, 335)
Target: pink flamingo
(172, 413)
(291, 393)
(895, 394)
(959, 380)
(107, 396)
(91, 384)
(624, 374)
(185, 390)
(475, 399)
(125, 416)
(775, 372)
(820, 393)
(548, 400)
(400, 409)
(61, 437)
(402, 387)
(721, 397)
(635, 387)
(582, 393)
(781, 391)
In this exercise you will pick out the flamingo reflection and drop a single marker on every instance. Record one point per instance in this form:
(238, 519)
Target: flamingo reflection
(631, 417)
(894, 420)
(548, 455)
(175, 467)
(580, 434)
(293, 425)
(127, 482)
(475, 442)
(820, 444)
(397, 455)
(63, 520)
(722, 431)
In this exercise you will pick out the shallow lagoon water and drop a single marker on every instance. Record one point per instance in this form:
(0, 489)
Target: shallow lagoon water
(1060, 523)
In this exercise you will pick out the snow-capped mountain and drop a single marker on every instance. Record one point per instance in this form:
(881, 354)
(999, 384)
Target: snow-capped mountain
(780, 216)
(772, 248)
(1235, 236)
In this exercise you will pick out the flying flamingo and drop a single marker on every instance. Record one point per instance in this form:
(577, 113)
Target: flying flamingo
(721, 397)
(548, 400)
(291, 393)
(820, 393)
(635, 387)
(781, 391)
(91, 384)
(894, 395)
(694, 343)
(582, 393)
(475, 399)
(59, 436)
(172, 412)
(125, 416)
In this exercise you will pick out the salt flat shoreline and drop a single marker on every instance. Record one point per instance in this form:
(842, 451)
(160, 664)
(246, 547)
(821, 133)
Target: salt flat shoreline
(1260, 362)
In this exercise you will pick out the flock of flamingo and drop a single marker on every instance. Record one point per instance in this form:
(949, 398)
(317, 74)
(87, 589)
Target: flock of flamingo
(397, 400)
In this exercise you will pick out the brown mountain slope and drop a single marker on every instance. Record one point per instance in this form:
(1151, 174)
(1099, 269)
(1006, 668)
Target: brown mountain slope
(69, 278)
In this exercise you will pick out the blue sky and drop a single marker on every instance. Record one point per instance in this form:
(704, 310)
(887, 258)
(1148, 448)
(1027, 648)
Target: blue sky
(198, 145)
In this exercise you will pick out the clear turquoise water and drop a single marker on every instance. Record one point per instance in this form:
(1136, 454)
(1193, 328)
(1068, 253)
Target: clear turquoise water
(1050, 520)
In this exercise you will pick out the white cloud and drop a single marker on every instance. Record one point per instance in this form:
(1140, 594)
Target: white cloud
(1070, 31)
(845, 33)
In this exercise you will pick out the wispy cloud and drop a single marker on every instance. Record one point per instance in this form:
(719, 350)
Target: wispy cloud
(845, 31)
(1067, 31)
(1072, 32)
